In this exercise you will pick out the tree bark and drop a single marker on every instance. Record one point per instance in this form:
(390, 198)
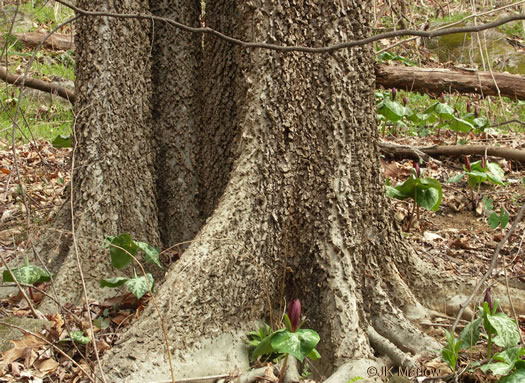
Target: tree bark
(176, 104)
(438, 80)
(293, 140)
(114, 180)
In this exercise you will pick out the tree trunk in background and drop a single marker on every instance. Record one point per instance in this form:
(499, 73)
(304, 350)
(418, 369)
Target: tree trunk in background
(291, 138)
(176, 111)
(114, 175)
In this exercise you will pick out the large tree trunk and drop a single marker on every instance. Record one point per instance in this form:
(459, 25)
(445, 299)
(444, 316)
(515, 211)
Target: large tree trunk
(305, 194)
(113, 178)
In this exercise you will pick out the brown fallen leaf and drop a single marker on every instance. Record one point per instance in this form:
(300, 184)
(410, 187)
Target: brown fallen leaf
(46, 366)
(17, 352)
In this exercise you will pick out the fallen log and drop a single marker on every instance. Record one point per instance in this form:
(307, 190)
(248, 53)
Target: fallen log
(33, 83)
(402, 151)
(428, 80)
(438, 80)
(55, 42)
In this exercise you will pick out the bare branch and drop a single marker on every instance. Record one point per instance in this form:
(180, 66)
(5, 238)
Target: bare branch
(298, 48)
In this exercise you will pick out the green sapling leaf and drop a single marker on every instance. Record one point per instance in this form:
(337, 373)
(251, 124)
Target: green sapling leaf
(516, 377)
(470, 334)
(113, 282)
(139, 286)
(78, 336)
(152, 254)
(298, 344)
(122, 246)
(460, 125)
(506, 330)
(265, 347)
(28, 274)
(314, 354)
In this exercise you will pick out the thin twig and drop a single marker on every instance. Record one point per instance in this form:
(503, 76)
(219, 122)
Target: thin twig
(508, 122)
(297, 48)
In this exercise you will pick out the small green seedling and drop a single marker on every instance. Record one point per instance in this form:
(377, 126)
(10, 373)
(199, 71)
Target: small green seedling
(78, 336)
(479, 172)
(495, 219)
(425, 192)
(122, 248)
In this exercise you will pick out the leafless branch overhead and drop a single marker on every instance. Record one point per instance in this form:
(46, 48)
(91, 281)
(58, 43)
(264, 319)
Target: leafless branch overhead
(298, 48)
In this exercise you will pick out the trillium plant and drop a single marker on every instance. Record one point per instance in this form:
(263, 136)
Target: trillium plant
(424, 191)
(477, 173)
(499, 330)
(290, 340)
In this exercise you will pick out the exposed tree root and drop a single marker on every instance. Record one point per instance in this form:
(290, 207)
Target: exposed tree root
(383, 346)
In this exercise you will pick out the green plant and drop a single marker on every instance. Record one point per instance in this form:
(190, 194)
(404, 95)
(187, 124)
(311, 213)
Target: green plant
(479, 172)
(78, 336)
(290, 340)
(28, 274)
(436, 116)
(425, 192)
(495, 219)
(500, 330)
(450, 353)
(256, 337)
(122, 250)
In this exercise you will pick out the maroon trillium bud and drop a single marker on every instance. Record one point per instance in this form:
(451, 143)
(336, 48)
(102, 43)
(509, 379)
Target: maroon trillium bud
(294, 313)
(476, 111)
(394, 92)
(442, 98)
(469, 107)
(467, 163)
(405, 101)
(488, 298)
(483, 162)
(418, 170)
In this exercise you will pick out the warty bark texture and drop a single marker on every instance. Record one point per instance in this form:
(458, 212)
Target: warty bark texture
(113, 180)
(176, 110)
(304, 191)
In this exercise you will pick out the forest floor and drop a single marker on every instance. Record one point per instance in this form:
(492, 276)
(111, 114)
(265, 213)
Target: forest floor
(456, 238)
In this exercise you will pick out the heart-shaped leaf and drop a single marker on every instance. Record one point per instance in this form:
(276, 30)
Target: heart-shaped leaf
(27, 274)
(120, 248)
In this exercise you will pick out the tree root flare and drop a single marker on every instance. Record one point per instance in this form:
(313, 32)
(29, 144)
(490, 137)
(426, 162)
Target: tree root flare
(383, 346)
(404, 335)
